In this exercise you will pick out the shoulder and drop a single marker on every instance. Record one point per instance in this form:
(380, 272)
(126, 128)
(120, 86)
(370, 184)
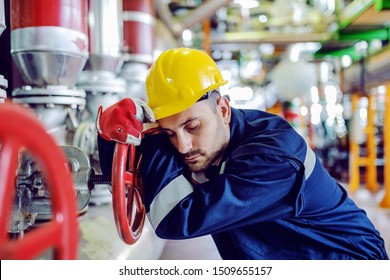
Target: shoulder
(258, 132)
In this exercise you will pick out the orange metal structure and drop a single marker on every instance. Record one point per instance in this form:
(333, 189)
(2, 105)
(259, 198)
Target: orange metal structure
(385, 203)
(369, 160)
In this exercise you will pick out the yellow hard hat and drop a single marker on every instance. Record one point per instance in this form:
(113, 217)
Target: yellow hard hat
(179, 78)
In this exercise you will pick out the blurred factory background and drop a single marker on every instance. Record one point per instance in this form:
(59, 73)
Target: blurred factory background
(324, 65)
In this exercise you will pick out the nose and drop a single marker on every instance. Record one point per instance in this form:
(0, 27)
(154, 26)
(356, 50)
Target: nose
(184, 143)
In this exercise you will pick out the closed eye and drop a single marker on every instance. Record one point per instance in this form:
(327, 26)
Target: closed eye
(191, 127)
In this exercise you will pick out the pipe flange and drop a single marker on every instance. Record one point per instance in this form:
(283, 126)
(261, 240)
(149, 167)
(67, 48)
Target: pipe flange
(55, 95)
(50, 90)
(3, 82)
(3, 86)
(101, 82)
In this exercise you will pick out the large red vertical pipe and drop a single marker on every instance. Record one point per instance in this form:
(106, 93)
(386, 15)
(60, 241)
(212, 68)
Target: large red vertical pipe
(64, 13)
(49, 41)
(139, 30)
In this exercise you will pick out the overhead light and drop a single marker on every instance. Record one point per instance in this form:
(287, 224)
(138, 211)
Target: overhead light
(247, 4)
(267, 49)
(314, 95)
(263, 18)
(361, 48)
(330, 94)
(346, 61)
(315, 111)
(304, 111)
(381, 89)
(187, 35)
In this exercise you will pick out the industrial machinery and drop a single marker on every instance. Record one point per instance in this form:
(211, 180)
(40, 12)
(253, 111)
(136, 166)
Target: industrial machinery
(55, 185)
(74, 56)
(69, 66)
(50, 48)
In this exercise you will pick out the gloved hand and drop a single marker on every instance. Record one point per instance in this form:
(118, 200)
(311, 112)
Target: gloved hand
(123, 121)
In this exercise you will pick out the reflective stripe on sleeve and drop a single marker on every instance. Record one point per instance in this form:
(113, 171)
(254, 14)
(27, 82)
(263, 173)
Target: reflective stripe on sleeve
(168, 198)
(310, 161)
(180, 187)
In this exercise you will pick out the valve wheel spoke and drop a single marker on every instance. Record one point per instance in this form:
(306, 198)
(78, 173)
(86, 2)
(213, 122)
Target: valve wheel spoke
(23, 132)
(8, 166)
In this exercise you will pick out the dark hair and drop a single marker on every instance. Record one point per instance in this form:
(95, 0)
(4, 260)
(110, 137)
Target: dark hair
(213, 99)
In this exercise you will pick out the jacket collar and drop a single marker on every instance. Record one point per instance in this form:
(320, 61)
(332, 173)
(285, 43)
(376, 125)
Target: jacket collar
(236, 132)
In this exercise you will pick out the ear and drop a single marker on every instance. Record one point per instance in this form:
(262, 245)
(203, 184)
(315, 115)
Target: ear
(224, 108)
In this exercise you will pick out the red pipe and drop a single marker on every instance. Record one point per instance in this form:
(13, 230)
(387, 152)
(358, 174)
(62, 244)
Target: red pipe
(138, 28)
(64, 13)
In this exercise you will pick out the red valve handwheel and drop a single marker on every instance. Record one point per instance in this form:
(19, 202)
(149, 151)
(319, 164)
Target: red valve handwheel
(21, 131)
(127, 194)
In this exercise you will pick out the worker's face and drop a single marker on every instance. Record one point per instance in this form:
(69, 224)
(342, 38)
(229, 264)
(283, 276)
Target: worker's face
(200, 134)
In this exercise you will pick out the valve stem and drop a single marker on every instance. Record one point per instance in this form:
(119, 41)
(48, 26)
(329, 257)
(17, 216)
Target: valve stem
(98, 179)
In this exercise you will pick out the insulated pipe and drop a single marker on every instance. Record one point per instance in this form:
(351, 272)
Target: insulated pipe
(105, 35)
(49, 42)
(99, 78)
(139, 30)
(203, 12)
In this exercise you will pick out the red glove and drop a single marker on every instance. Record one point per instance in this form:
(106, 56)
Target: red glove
(123, 121)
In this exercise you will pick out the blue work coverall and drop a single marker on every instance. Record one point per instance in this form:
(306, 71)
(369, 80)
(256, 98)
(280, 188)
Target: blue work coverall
(270, 198)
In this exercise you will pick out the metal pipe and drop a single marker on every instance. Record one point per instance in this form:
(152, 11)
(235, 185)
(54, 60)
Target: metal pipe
(105, 35)
(139, 30)
(49, 43)
(195, 16)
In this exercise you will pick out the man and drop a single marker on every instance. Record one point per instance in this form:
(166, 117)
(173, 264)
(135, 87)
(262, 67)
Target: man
(244, 176)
